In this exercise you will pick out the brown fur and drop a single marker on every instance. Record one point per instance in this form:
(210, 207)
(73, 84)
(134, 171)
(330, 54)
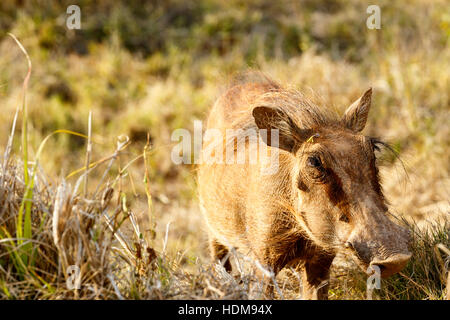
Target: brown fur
(301, 214)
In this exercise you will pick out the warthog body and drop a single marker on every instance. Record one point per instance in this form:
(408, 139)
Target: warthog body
(324, 197)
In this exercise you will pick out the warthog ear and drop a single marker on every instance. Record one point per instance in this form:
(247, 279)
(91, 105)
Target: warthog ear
(355, 116)
(289, 135)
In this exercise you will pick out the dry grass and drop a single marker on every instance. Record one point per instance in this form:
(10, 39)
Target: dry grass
(70, 227)
(91, 230)
(66, 229)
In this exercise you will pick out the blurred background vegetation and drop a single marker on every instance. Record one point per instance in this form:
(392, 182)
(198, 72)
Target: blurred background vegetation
(154, 66)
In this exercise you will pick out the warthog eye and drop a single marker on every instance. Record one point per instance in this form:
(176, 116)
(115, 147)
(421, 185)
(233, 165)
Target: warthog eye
(344, 218)
(314, 161)
(315, 169)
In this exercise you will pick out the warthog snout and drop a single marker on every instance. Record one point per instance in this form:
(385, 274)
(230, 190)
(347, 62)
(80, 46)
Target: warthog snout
(384, 246)
(391, 265)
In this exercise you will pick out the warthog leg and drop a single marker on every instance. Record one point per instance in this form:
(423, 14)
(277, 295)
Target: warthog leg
(315, 277)
(219, 252)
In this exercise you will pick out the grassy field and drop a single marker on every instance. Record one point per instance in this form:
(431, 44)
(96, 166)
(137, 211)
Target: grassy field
(87, 179)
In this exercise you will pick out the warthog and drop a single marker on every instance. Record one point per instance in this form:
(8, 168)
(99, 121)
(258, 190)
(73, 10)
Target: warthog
(325, 196)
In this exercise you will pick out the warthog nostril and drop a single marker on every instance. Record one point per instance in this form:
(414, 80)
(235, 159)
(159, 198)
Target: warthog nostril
(392, 265)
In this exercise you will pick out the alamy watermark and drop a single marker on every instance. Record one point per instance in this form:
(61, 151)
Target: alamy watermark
(374, 20)
(230, 146)
(374, 280)
(73, 277)
(74, 19)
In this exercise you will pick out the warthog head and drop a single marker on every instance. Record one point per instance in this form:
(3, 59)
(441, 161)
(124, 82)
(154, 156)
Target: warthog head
(340, 201)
